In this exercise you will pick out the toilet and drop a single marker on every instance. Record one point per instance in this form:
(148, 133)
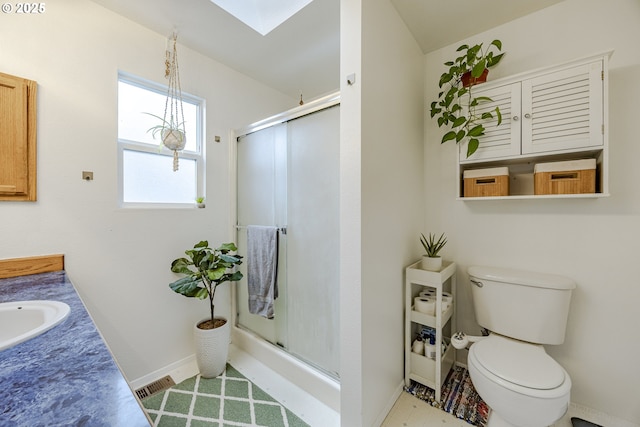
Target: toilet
(510, 368)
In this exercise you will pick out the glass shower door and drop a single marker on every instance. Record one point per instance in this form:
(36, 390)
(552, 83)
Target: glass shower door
(262, 192)
(288, 175)
(313, 232)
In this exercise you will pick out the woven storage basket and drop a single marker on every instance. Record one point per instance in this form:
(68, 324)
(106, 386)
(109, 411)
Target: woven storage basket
(568, 177)
(487, 182)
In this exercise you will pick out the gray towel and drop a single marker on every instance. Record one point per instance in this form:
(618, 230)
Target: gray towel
(262, 269)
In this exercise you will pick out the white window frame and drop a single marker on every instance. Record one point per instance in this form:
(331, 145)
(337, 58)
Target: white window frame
(198, 155)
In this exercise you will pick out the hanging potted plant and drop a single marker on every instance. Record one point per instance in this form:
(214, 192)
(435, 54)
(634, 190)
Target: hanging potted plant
(171, 133)
(171, 127)
(456, 105)
(205, 270)
(431, 260)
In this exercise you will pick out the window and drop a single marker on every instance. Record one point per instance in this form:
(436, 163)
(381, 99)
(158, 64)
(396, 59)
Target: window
(146, 176)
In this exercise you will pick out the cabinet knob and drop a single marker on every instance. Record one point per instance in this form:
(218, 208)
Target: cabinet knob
(516, 118)
(527, 116)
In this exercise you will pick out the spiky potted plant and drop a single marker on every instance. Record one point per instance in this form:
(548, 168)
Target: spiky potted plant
(431, 260)
(457, 107)
(205, 270)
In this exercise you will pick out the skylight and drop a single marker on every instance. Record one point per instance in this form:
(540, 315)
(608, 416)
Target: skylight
(262, 15)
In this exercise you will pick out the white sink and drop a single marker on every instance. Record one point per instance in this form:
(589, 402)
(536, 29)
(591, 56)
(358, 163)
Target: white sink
(22, 320)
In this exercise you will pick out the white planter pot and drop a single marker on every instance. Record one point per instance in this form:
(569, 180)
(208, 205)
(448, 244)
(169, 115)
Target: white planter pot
(173, 139)
(212, 349)
(431, 263)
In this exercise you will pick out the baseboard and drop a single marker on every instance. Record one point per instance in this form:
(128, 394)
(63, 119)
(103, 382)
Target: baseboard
(178, 371)
(597, 417)
(387, 408)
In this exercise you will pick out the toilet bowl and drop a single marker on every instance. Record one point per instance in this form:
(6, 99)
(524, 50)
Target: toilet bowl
(521, 383)
(510, 369)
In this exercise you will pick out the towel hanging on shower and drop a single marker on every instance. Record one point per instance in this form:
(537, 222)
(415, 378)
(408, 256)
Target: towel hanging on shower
(262, 269)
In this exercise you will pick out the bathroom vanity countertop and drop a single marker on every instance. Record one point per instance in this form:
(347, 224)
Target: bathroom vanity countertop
(66, 376)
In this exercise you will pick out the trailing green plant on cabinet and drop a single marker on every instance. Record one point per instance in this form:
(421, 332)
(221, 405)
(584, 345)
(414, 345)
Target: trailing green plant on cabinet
(458, 106)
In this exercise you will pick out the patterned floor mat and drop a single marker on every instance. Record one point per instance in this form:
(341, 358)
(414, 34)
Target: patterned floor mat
(228, 400)
(459, 397)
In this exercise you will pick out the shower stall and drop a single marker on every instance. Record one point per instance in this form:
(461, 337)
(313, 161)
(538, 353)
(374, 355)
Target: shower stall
(287, 171)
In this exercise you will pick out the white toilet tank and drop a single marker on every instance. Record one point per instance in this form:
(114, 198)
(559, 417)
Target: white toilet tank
(524, 305)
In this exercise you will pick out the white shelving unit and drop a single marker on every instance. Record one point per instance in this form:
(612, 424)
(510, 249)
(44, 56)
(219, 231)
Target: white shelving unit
(420, 368)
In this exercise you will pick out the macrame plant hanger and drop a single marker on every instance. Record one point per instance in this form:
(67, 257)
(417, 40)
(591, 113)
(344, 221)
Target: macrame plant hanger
(173, 133)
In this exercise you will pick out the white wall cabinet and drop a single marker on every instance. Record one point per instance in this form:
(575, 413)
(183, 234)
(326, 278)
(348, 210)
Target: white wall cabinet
(553, 114)
(501, 141)
(427, 371)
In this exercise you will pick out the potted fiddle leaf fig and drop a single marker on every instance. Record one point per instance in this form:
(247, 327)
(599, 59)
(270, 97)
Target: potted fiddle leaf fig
(457, 107)
(431, 260)
(205, 269)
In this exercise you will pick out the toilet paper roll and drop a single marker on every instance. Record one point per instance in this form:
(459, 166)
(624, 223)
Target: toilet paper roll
(447, 297)
(425, 305)
(431, 293)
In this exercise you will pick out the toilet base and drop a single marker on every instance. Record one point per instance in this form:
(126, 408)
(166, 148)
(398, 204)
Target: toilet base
(496, 420)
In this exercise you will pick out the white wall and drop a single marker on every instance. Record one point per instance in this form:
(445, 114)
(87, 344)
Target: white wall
(381, 197)
(595, 242)
(351, 351)
(118, 259)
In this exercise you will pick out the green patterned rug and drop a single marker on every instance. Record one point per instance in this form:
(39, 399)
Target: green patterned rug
(228, 400)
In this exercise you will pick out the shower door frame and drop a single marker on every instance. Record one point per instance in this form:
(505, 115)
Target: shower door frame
(319, 104)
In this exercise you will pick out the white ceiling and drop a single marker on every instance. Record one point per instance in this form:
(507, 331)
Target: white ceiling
(303, 54)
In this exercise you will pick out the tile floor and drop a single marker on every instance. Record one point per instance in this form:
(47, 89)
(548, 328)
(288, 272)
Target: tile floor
(409, 411)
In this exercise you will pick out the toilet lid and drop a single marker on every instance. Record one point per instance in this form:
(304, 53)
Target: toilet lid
(517, 362)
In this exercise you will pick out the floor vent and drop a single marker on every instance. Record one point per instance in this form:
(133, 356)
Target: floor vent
(155, 387)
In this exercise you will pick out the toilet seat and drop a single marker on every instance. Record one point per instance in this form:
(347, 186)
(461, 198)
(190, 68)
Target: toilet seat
(522, 367)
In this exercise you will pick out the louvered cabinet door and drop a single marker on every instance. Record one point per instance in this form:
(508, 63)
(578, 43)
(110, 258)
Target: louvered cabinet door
(563, 110)
(502, 140)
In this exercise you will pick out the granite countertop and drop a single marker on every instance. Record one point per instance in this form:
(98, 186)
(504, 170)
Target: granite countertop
(66, 376)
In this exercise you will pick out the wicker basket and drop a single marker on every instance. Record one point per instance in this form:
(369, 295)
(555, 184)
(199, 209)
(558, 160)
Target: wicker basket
(568, 177)
(488, 182)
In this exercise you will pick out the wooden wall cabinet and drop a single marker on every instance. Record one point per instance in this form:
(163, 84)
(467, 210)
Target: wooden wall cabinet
(17, 138)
